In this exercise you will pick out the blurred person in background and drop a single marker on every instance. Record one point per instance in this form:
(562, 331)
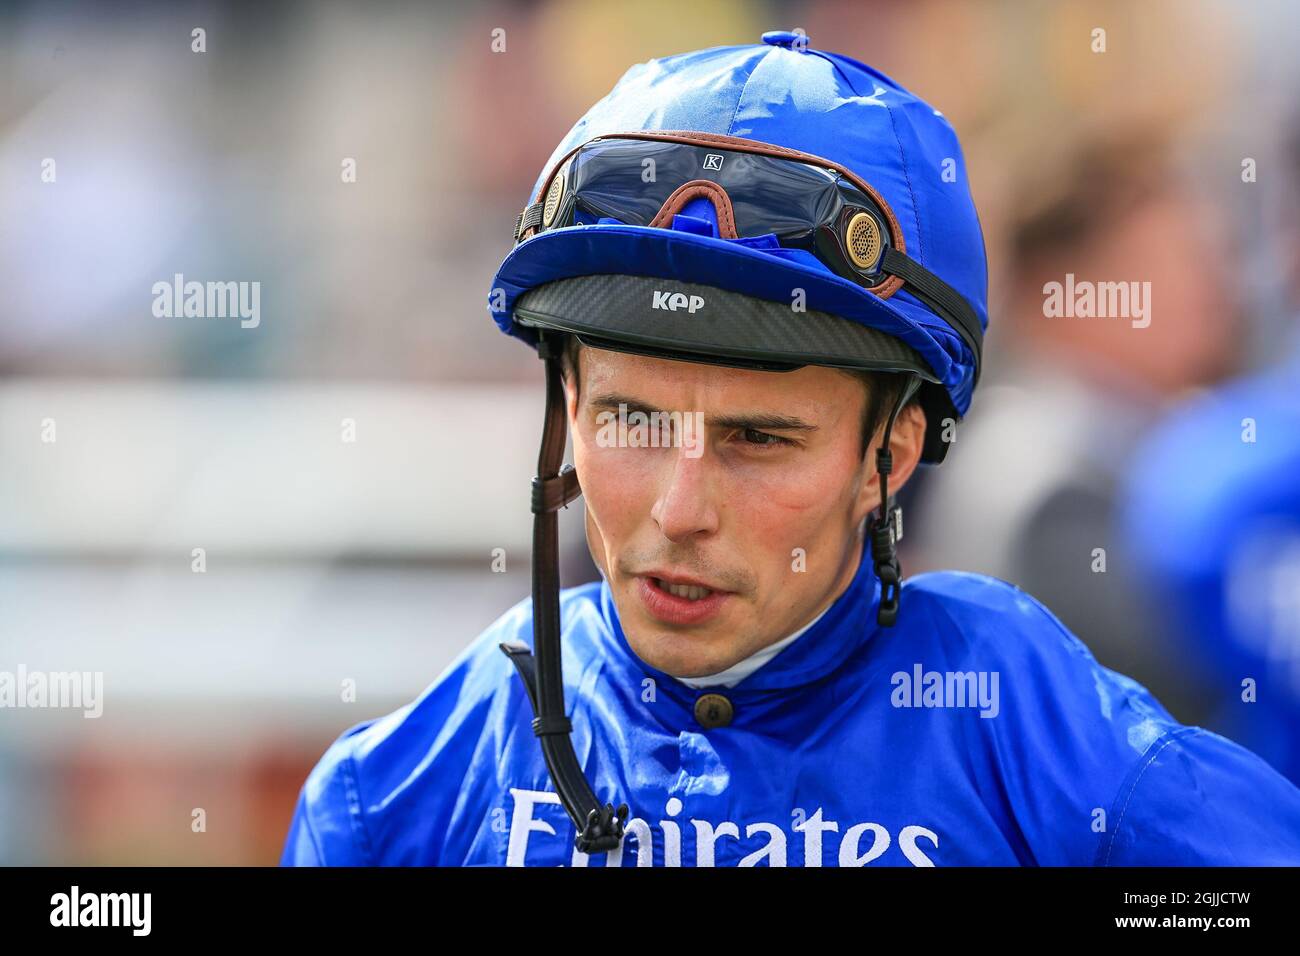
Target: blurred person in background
(1031, 495)
(1212, 512)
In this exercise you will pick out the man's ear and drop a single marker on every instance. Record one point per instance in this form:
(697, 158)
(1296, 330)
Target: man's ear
(906, 442)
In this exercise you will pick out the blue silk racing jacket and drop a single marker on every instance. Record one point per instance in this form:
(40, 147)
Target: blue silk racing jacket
(976, 731)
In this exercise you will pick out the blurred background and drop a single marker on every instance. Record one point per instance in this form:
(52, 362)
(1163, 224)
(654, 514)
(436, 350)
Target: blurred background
(264, 535)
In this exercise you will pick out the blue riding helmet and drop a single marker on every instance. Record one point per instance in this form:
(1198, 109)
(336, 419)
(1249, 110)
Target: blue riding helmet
(603, 258)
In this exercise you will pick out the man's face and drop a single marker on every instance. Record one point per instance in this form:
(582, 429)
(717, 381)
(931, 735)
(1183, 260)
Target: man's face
(755, 526)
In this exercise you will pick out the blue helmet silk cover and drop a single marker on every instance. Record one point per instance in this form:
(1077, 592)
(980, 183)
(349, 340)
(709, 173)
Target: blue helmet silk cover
(802, 99)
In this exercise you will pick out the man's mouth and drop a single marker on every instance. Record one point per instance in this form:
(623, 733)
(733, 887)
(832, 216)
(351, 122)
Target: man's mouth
(692, 592)
(679, 601)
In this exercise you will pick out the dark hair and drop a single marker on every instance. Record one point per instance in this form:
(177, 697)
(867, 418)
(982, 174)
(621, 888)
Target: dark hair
(882, 388)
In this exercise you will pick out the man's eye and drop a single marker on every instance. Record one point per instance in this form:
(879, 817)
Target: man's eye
(763, 439)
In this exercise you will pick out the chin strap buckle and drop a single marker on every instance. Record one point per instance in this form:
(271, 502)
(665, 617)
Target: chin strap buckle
(604, 829)
(885, 535)
(887, 530)
(552, 494)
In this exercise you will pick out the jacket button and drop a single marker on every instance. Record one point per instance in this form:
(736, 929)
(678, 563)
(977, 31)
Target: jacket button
(713, 710)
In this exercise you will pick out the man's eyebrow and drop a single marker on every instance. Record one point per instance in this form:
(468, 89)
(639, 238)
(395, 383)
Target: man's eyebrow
(761, 421)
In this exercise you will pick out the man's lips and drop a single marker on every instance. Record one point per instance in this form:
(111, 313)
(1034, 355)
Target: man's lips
(667, 577)
(677, 599)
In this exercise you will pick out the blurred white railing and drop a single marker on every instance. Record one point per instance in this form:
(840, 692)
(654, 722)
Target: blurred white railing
(253, 469)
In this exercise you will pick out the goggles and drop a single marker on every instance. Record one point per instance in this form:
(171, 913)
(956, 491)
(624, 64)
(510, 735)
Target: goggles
(802, 201)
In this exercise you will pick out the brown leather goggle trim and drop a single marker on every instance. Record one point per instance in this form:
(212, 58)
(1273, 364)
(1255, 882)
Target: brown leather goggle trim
(694, 190)
(691, 137)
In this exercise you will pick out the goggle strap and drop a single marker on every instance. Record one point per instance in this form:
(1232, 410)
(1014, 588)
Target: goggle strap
(939, 296)
(530, 218)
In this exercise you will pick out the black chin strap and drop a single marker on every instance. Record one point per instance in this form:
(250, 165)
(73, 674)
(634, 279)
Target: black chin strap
(887, 529)
(600, 828)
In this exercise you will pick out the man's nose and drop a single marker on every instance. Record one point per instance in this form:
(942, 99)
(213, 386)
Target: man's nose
(685, 506)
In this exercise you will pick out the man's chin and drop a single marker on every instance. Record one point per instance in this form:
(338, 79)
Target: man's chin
(683, 653)
(682, 666)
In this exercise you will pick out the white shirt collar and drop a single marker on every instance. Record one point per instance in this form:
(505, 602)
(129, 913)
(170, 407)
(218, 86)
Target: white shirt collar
(737, 672)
